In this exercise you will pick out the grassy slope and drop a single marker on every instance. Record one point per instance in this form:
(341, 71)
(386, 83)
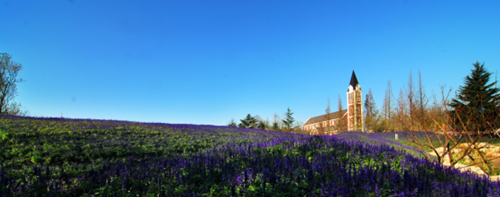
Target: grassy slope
(84, 157)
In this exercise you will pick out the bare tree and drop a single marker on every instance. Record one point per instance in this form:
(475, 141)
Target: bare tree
(401, 112)
(232, 123)
(410, 96)
(298, 128)
(423, 121)
(387, 108)
(342, 121)
(325, 126)
(411, 107)
(267, 122)
(8, 85)
(261, 123)
(451, 147)
(448, 139)
(277, 124)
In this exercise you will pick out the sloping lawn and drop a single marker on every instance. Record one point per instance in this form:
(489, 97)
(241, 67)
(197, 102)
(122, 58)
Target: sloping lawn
(72, 157)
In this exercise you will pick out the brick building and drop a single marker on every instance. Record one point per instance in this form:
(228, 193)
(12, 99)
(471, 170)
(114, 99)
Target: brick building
(352, 116)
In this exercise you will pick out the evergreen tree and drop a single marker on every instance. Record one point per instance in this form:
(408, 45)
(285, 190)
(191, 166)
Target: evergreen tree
(262, 125)
(276, 123)
(248, 122)
(288, 121)
(371, 117)
(232, 123)
(276, 126)
(477, 103)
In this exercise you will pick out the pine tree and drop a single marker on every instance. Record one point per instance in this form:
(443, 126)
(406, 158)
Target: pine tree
(275, 127)
(262, 125)
(248, 122)
(477, 103)
(232, 123)
(276, 123)
(288, 121)
(371, 117)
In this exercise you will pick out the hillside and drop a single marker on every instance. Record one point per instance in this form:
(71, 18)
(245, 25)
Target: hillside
(74, 157)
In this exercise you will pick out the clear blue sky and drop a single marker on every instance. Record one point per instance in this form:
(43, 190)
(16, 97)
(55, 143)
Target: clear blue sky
(205, 62)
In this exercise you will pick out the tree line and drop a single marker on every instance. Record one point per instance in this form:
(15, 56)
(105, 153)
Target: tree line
(452, 129)
(288, 124)
(475, 107)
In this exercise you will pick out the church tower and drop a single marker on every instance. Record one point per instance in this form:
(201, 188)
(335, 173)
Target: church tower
(354, 105)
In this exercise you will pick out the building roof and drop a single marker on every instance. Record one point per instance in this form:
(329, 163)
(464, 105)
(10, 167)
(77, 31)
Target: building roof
(333, 115)
(354, 80)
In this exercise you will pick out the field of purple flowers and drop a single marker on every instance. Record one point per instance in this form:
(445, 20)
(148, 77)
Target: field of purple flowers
(72, 157)
(386, 138)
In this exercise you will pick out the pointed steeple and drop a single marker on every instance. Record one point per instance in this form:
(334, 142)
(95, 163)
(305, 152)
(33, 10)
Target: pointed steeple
(354, 80)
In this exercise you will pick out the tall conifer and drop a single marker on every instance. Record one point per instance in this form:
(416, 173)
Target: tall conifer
(371, 117)
(289, 120)
(248, 122)
(477, 103)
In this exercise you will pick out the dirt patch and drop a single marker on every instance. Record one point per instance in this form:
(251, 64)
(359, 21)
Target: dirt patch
(492, 152)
